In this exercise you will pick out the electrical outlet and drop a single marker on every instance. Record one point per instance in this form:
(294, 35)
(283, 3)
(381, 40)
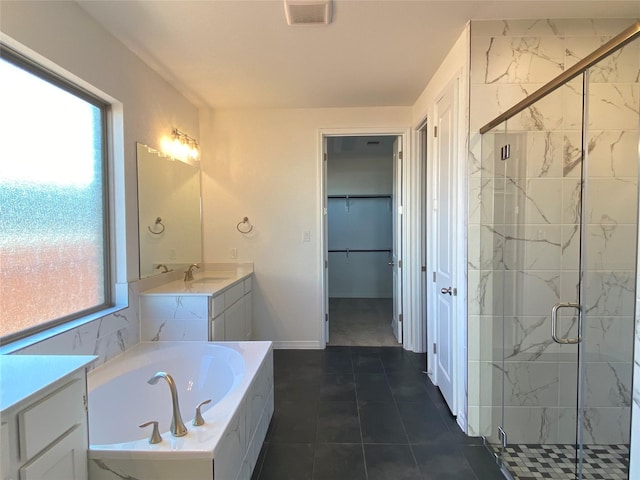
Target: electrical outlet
(306, 236)
(172, 254)
(234, 253)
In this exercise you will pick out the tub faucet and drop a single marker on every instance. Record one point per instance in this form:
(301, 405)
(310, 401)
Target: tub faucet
(178, 428)
(188, 273)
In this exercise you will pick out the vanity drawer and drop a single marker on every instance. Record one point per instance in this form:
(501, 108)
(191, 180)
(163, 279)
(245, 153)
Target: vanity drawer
(234, 294)
(247, 285)
(48, 419)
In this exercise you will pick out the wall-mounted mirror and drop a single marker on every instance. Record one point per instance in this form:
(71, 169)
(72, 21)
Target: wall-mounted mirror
(169, 212)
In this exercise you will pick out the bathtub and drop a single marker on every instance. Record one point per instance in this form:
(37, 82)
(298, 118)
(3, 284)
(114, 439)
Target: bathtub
(236, 376)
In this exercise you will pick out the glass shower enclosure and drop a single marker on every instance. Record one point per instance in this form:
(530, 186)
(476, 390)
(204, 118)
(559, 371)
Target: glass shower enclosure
(559, 208)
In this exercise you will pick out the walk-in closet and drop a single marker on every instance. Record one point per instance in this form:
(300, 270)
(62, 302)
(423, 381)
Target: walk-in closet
(360, 240)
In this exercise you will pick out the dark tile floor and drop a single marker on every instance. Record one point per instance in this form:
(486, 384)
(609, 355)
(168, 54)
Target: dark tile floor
(364, 413)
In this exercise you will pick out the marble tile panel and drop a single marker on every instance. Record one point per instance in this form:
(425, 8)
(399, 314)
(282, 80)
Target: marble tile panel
(607, 384)
(544, 154)
(613, 153)
(609, 294)
(481, 285)
(614, 201)
(611, 246)
(489, 101)
(571, 200)
(622, 66)
(491, 245)
(605, 425)
(531, 424)
(486, 383)
(608, 339)
(230, 451)
(531, 293)
(533, 201)
(594, 27)
(480, 422)
(174, 329)
(539, 27)
(532, 247)
(568, 372)
(530, 384)
(528, 339)
(614, 106)
(516, 59)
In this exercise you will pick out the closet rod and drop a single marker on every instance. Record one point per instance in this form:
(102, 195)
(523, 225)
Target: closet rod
(359, 196)
(348, 250)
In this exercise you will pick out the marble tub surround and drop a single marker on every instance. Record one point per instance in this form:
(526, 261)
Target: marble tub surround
(216, 305)
(105, 337)
(226, 446)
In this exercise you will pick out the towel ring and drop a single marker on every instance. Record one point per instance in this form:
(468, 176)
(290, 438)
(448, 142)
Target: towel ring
(248, 228)
(158, 222)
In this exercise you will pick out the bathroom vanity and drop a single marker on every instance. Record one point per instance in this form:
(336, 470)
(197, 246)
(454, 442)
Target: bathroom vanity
(43, 417)
(216, 306)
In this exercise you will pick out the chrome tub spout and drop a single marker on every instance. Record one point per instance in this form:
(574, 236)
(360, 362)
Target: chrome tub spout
(178, 428)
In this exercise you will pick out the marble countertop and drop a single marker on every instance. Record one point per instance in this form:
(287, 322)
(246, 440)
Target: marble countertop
(22, 376)
(208, 282)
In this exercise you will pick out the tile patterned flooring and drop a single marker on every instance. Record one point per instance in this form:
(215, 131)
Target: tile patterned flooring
(557, 462)
(364, 413)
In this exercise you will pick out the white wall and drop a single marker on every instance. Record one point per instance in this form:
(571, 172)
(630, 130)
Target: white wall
(61, 36)
(265, 164)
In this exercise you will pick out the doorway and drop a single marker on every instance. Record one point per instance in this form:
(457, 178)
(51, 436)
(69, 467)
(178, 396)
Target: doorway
(363, 240)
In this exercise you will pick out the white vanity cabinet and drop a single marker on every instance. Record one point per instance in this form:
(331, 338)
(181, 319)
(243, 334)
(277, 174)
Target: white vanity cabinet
(231, 313)
(205, 312)
(44, 433)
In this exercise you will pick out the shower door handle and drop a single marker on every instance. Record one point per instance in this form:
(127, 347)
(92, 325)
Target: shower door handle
(554, 324)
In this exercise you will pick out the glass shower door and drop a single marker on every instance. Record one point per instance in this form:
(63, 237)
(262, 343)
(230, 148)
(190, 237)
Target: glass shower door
(541, 291)
(609, 249)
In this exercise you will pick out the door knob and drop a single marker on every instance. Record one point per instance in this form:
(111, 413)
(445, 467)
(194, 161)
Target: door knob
(444, 291)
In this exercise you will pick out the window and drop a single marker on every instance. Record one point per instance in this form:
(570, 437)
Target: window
(54, 255)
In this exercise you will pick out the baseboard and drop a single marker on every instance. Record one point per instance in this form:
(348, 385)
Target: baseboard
(461, 419)
(295, 344)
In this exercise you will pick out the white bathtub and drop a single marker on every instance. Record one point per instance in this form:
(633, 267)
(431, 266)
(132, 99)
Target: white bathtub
(236, 376)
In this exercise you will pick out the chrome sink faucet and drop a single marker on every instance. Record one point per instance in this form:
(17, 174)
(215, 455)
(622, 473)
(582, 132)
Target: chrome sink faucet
(188, 273)
(178, 428)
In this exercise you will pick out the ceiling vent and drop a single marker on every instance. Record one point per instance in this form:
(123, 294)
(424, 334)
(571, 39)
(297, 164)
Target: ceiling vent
(308, 12)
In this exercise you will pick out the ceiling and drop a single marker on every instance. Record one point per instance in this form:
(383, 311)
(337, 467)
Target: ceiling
(242, 53)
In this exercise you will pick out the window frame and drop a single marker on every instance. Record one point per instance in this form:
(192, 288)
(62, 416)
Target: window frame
(19, 60)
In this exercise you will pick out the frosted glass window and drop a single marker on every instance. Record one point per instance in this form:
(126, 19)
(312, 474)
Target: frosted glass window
(53, 248)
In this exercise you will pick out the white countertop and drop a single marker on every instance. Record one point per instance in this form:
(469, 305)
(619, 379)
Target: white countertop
(24, 375)
(207, 282)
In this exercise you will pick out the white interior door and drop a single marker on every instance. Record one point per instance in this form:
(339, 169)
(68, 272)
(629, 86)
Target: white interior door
(396, 255)
(444, 190)
(325, 236)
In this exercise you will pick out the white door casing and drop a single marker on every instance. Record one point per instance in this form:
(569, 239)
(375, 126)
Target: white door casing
(444, 189)
(396, 256)
(404, 191)
(325, 240)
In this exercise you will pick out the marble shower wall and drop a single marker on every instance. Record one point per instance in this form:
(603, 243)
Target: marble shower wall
(524, 236)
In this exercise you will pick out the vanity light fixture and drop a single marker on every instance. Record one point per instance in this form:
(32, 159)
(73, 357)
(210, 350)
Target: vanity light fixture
(181, 147)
